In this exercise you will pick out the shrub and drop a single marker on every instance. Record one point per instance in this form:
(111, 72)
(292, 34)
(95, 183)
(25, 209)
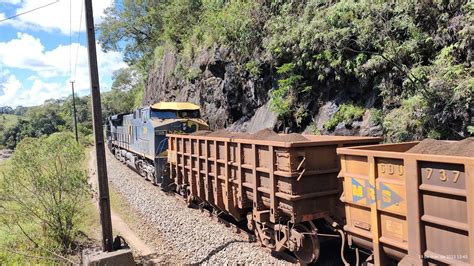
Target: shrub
(253, 67)
(192, 73)
(300, 116)
(280, 102)
(346, 113)
(44, 188)
(376, 116)
(313, 129)
(406, 122)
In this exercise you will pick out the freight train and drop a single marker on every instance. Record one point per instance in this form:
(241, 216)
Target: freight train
(139, 138)
(393, 204)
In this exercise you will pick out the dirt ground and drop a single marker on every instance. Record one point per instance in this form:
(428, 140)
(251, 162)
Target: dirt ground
(120, 227)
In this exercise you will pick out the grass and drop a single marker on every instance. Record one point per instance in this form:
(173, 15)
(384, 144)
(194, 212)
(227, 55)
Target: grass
(118, 205)
(15, 249)
(91, 220)
(13, 244)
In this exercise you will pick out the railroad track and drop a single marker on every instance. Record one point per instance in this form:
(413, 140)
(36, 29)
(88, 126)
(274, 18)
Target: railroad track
(234, 227)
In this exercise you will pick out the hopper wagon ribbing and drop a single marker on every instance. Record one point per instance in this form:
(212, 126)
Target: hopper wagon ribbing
(417, 208)
(283, 188)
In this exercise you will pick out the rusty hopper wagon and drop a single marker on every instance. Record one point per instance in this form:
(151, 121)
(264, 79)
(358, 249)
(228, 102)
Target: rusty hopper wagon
(283, 188)
(417, 208)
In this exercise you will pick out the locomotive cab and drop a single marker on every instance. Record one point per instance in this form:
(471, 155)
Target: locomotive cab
(171, 117)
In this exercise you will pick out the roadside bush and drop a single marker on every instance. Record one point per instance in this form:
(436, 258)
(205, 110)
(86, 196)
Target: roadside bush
(43, 191)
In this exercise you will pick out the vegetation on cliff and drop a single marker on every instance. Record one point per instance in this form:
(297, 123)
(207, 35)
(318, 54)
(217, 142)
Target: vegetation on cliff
(414, 57)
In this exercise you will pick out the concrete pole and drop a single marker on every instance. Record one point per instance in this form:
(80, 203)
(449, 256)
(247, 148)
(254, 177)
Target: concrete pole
(104, 200)
(74, 111)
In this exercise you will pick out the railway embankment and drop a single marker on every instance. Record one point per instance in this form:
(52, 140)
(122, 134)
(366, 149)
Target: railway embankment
(180, 234)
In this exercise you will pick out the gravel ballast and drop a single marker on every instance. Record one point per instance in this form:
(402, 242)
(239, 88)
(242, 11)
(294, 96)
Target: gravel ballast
(188, 232)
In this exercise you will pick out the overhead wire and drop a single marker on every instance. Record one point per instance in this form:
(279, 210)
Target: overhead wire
(29, 11)
(70, 39)
(78, 39)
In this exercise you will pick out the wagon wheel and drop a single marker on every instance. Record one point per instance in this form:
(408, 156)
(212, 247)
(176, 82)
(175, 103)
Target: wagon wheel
(141, 171)
(308, 252)
(189, 201)
(152, 178)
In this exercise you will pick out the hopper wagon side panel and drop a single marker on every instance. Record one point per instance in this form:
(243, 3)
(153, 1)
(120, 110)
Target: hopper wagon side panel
(409, 206)
(278, 180)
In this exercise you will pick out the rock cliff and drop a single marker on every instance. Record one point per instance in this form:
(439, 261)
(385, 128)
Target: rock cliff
(225, 93)
(230, 97)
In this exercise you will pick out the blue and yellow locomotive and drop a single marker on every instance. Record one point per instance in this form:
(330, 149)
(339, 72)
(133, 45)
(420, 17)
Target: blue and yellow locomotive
(139, 139)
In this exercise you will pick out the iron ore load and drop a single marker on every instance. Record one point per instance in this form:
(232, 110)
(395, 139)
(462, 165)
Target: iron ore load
(412, 202)
(285, 186)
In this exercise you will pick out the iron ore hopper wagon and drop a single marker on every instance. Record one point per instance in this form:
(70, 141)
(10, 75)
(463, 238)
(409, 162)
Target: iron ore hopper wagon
(285, 186)
(410, 204)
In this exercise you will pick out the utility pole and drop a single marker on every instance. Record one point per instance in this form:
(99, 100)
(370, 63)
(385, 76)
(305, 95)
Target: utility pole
(74, 110)
(104, 200)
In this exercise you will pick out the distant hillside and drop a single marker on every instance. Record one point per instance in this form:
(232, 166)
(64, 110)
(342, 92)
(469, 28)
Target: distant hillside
(8, 120)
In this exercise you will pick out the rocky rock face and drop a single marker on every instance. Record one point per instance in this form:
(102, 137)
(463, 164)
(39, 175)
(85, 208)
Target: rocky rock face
(365, 127)
(231, 98)
(263, 118)
(225, 93)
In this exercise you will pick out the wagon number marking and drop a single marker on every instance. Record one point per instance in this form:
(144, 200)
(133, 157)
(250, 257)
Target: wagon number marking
(391, 168)
(443, 176)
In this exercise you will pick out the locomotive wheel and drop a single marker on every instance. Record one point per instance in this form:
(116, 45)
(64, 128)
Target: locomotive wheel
(309, 250)
(152, 178)
(141, 171)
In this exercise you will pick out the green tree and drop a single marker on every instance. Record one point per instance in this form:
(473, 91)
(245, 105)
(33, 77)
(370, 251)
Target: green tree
(38, 121)
(126, 93)
(134, 28)
(43, 192)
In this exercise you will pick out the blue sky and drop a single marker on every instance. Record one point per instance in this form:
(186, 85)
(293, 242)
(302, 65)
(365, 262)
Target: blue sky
(37, 59)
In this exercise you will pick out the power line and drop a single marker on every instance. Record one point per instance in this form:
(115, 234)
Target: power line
(70, 39)
(29, 11)
(78, 39)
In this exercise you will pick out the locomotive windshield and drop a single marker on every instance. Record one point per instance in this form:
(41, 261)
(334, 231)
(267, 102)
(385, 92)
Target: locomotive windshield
(172, 114)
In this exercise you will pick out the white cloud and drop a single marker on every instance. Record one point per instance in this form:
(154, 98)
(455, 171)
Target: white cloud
(14, 94)
(9, 87)
(27, 53)
(11, 2)
(2, 16)
(56, 17)
(39, 92)
(23, 52)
